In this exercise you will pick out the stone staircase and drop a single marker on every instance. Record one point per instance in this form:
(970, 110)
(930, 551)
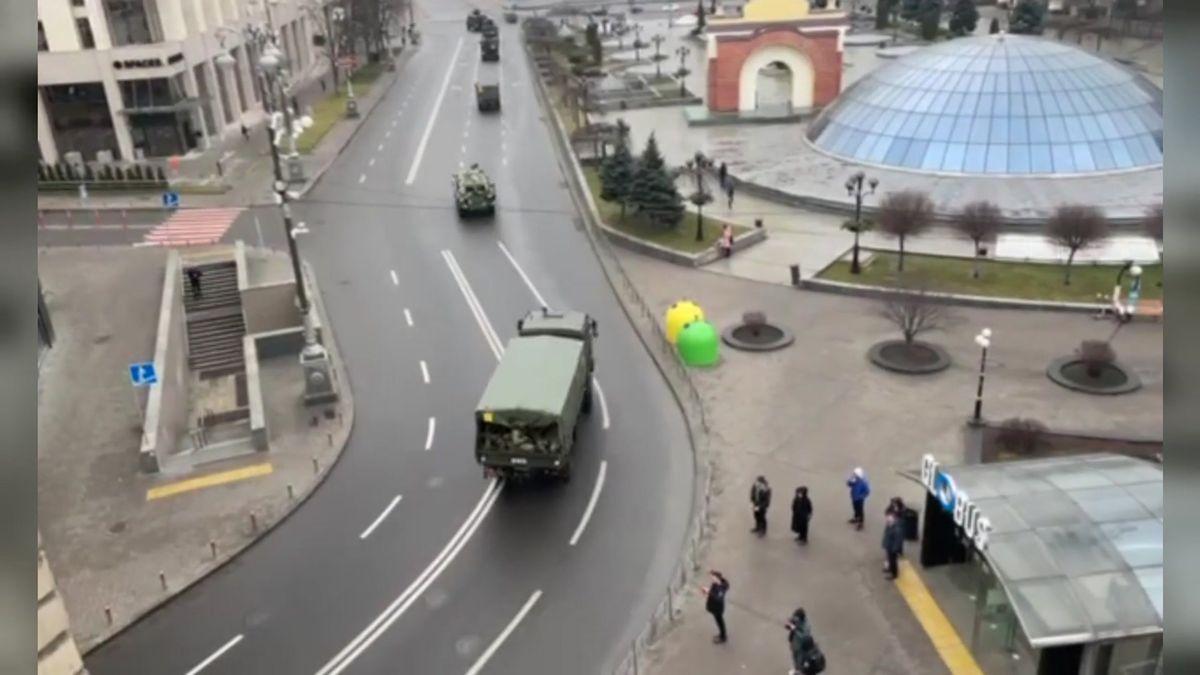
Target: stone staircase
(215, 326)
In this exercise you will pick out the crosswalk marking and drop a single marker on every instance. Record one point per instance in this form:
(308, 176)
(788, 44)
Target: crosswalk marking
(193, 226)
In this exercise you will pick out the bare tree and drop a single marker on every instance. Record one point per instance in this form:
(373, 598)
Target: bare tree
(322, 14)
(1076, 227)
(978, 221)
(905, 214)
(913, 312)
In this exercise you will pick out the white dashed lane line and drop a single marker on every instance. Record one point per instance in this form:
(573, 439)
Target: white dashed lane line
(371, 528)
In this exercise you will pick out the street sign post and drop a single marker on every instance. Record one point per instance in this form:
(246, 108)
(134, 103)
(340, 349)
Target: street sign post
(170, 200)
(143, 374)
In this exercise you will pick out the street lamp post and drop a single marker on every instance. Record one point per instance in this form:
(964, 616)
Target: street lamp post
(657, 40)
(854, 187)
(984, 340)
(683, 52)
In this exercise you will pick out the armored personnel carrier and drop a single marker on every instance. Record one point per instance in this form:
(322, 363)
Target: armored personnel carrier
(474, 192)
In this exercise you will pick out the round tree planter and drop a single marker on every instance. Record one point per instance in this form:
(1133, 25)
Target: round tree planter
(918, 358)
(1114, 379)
(764, 337)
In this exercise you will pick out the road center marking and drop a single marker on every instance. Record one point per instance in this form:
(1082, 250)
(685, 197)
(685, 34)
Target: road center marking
(407, 315)
(362, 178)
(429, 434)
(396, 281)
(216, 655)
(387, 134)
(372, 162)
(587, 513)
(380, 148)
(371, 528)
(437, 106)
(424, 372)
(512, 625)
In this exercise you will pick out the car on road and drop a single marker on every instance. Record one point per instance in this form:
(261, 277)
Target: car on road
(474, 192)
(527, 420)
(487, 97)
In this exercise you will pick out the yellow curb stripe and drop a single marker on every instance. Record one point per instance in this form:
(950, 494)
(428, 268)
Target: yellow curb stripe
(945, 639)
(209, 481)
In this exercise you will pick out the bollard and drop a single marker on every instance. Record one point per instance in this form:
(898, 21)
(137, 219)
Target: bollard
(795, 275)
(253, 522)
(330, 439)
(758, 223)
(108, 614)
(316, 465)
(291, 492)
(212, 545)
(162, 579)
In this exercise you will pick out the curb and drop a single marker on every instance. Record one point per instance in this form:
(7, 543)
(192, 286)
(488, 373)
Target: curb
(347, 398)
(981, 301)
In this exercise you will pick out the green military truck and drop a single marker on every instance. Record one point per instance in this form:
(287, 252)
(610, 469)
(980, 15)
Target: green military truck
(487, 97)
(474, 192)
(489, 49)
(526, 420)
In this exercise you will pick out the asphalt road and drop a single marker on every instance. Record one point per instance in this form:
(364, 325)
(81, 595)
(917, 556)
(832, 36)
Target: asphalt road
(456, 574)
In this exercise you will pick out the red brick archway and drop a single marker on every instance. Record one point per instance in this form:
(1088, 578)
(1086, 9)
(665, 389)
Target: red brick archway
(817, 47)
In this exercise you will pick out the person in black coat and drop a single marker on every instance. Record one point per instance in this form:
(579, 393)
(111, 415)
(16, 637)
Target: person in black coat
(893, 544)
(802, 510)
(760, 498)
(715, 603)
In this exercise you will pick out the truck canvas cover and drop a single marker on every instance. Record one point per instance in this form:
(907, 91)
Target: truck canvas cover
(532, 384)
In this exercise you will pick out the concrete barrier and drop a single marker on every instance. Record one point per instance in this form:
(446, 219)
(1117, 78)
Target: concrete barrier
(259, 434)
(166, 415)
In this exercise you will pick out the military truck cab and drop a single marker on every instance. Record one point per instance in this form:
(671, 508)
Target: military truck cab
(489, 49)
(527, 419)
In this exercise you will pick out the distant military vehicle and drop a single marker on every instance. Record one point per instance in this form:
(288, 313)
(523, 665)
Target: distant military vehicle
(526, 420)
(510, 17)
(487, 97)
(489, 49)
(475, 20)
(489, 28)
(474, 192)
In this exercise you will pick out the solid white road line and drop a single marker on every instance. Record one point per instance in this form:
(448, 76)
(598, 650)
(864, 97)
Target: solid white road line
(371, 528)
(215, 655)
(416, 164)
(407, 314)
(489, 335)
(429, 434)
(512, 625)
(424, 372)
(362, 178)
(603, 402)
(587, 513)
(524, 277)
(402, 602)
(396, 282)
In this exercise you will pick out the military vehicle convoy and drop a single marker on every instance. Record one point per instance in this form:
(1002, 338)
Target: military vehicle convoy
(474, 192)
(489, 49)
(526, 420)
(487, 97)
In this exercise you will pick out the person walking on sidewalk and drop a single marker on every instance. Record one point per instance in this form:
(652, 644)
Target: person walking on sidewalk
(729, 192)
(715, 603)
(245, 132)
(194, 274)
(802, 510)
(760, 499)
(893, 543)
(859, 490)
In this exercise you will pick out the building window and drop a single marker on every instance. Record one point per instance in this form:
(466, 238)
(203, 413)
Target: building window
(132, 22)
(86, 39)
(42, 46)
(77, 3)
(80, 118)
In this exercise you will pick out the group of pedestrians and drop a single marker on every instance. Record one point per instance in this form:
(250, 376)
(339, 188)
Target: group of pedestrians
(807, 658)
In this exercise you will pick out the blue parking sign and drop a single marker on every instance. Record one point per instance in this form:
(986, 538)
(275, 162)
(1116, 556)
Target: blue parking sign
(143, 374)
(170, 200)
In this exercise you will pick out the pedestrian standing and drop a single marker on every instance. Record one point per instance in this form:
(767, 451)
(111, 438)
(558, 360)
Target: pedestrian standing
(893, 543)
(729, 192)
(715, 603)
(245, 132)
(760, 499)
(895, 507)
(723, 174)
(194, 274)
(726, 241)
(859, 490)
(802, 510)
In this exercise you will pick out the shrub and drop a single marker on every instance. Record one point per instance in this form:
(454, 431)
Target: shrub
(1021, 436)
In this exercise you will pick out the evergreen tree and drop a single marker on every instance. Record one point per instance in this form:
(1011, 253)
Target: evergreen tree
(883, 13)
(652, 191)
(964, 17)
(930, 17)
(994, 26)
(1028, 18)
(616, 174)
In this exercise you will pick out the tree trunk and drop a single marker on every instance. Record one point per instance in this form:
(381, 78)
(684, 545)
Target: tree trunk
(975, 261)
(900, 266)
(1070, 259)
(699, 222)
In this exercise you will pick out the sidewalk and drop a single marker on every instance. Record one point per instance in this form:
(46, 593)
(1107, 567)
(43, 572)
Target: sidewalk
(110, 529)
(807, 415)
(246, 167)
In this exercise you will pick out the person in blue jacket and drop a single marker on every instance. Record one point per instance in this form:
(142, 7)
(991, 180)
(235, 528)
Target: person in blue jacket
(859, 490)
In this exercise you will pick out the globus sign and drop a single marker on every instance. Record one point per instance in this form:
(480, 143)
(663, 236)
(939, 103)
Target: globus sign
(966, 515)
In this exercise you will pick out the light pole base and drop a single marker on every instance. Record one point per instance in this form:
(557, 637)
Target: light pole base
(352, 108)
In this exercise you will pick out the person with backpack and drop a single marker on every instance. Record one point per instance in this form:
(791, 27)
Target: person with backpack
(760, 498)
(807, 658)
(715, 603)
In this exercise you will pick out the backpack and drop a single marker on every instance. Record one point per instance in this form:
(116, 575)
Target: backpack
(813, 662)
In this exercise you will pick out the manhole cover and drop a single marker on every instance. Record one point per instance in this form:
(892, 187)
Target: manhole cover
(117, 527)
(101, 339)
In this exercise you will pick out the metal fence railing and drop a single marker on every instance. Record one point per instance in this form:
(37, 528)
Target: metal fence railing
(646, 322)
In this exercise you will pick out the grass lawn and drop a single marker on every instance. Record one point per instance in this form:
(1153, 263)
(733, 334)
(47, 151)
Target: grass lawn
(680, 238)
(328, 111)
(1028, 281)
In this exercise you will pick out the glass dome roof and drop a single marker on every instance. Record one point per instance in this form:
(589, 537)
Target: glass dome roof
(997, 104)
